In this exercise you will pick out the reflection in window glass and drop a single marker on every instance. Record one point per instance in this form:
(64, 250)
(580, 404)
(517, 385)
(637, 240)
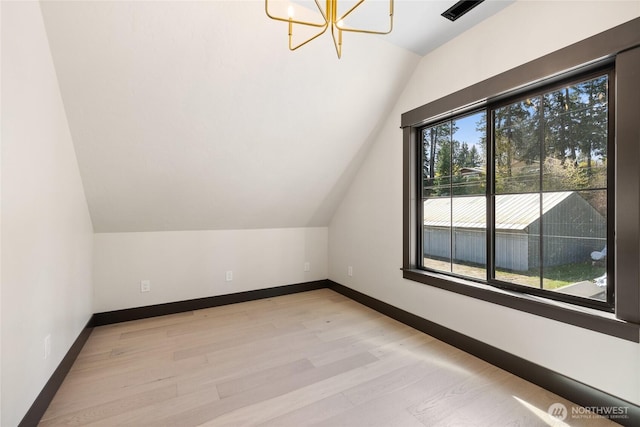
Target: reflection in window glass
(454, 196)
(437, 233)
(517, 239)
(532, 217)
(468, 158)
(550, 218)
(575, 137)
(436, 163)
(469, 230)
(575, 243)
(550, 192)
(517, 147)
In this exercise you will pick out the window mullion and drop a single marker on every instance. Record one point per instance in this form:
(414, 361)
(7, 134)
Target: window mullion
(451, 239)
(541, 124)
(490, 193)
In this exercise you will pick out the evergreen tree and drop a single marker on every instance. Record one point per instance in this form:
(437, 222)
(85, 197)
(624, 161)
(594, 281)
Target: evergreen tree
(436, 160)
(475, 158)
(517, 146)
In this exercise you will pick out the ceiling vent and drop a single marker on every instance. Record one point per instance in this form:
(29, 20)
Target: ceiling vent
(460, 8)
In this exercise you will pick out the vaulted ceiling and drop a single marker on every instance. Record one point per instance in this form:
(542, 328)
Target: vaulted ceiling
(194, 115)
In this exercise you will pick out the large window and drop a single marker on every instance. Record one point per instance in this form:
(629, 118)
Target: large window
(524, 189)
(543, 194)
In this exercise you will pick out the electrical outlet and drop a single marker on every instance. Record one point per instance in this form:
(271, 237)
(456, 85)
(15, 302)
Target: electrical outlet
(47, 346)
(145, 285)
(307, 266)
(350, 271)
(229, 276)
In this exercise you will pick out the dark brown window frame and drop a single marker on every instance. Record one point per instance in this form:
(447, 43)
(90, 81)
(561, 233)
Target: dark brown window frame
(598, 70)
(620, 46)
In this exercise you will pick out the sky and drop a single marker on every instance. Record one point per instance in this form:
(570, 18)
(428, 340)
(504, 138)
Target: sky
(467, 130)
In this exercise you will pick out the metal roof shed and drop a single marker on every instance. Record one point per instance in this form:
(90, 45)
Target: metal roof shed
(572, 229)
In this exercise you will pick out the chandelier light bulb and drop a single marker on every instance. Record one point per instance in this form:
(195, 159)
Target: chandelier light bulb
(329, 20)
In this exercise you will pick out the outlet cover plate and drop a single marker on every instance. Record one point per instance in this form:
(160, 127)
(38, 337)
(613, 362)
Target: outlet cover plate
(47, 346)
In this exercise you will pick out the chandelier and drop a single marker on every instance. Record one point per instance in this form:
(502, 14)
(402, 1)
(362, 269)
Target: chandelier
(330, 20)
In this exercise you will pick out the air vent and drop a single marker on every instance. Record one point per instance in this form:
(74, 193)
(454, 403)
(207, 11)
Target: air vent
(460, 8)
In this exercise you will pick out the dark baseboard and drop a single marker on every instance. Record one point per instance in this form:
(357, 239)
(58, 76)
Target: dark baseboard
(559, 384)
(117, 316)
(40, 405)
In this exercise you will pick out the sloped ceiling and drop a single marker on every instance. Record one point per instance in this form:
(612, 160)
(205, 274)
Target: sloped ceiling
(194, 115)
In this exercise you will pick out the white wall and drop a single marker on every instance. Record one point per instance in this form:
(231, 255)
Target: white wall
(366, 231)
(0, 224)
(46, 228)
(182, 111)
(184, 265)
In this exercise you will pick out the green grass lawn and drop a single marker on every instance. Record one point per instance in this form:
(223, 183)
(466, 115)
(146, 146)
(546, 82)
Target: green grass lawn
(555, 277)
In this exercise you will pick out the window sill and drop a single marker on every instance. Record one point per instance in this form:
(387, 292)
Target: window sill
(594, 320)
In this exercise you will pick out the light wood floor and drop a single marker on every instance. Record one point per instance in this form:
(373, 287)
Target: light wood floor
(314, 358)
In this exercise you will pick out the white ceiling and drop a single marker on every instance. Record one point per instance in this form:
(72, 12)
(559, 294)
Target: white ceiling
(418, 24)
(194, 115)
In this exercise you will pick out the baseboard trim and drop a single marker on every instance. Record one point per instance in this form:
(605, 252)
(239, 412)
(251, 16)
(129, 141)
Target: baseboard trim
(40, 405)
(117, 316)
(42, 402)
(559, 384)
(570, 389)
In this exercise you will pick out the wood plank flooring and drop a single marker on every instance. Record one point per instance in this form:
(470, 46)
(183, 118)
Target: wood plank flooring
(313, 358)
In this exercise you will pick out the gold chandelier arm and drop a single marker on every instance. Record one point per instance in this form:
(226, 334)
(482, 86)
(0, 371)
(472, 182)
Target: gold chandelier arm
(322, 12)
(329, 15)
(307, 41)
(357, 30)
(337, 43)
(352, 9)
(295, 21)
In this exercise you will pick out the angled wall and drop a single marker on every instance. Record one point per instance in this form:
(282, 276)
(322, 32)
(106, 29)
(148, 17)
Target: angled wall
(366, 231)
(46, 229)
